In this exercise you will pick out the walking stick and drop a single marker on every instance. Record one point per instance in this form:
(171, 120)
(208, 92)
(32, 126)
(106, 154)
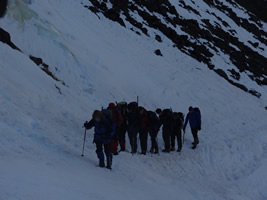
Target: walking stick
(183, 136)
(84, 141)
(157, 143)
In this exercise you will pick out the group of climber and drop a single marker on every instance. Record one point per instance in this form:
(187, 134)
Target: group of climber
(112, 123)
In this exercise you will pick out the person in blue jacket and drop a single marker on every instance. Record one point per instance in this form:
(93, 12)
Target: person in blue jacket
(194, 119)
(102, 137)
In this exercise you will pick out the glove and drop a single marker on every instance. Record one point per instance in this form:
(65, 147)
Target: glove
(85, 124)
(199, 127)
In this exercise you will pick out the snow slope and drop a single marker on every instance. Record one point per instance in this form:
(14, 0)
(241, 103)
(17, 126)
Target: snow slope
(101, 62)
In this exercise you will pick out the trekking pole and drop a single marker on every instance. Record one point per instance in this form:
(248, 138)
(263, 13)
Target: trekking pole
(84, 141)
(183, 136)
(157, 143)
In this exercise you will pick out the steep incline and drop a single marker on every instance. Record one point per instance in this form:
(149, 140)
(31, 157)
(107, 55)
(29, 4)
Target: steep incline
(209, 31)
(60, 61)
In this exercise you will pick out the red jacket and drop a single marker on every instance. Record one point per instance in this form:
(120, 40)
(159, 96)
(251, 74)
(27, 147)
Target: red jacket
(116, 117)
(144, 121)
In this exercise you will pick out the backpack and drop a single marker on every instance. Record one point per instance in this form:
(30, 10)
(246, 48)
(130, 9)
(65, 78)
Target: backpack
(181, 115)
(107, 114)
(167, 117)
(153, 120)
(122, 107)
(133, 106)
(178, 119)
(196, 109)
(117, 117)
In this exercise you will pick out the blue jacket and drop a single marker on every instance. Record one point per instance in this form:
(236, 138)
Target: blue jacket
(103, 130)
(194, 119)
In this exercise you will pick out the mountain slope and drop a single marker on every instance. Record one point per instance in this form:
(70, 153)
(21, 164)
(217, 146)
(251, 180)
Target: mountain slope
(95, 61)
(207, 31)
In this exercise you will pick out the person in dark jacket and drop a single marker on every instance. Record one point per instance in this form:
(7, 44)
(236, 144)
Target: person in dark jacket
(122, 107)
(194, 119)
(143, 130)
(166, 119)
(177, 131)
(153, 125)
(102, 137)
(117, 119)
(133, 125)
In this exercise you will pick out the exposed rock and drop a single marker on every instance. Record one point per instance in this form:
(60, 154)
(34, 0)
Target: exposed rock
(3, 6)
(158, 52)
(257, 7)
(235, 74)
(221, 73)
(45, 68)
(158, 38)
(219, 40)
(255, 93)
(5, 38)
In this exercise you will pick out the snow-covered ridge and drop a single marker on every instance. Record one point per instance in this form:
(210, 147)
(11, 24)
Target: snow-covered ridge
(208, 31)
(100, 61)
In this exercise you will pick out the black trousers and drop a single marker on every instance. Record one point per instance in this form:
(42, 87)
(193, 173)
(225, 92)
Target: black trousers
(132, 134)
(143, 134)
(195, 135)
(121, 135)
(154, 144)
(166, 135)
(107, 150)
(176, 134)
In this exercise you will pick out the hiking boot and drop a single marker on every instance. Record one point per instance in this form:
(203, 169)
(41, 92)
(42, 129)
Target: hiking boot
(172, 149)
(179, 150)
(143, 153)
(151, 150)
(101, 163)
(115, 153)
(166, 150)
(194, 146)
(156, 150)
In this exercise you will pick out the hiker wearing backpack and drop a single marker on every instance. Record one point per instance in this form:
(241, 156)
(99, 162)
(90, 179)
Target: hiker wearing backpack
(133, 125)
(194, 118)
(153, 125)
(117, 119)
(143, 131)
(102, 137)
(166, 119)
(178, 118)
(122, 107)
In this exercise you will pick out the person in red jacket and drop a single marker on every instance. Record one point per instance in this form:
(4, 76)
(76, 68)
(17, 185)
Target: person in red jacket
(117, 119)
(143, 130)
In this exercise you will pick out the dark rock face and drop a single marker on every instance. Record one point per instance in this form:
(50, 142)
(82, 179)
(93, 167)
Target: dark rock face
(3, 5)
(166, 19)
(158, 52)
(257, 7)
(44, 67)
(6, 39)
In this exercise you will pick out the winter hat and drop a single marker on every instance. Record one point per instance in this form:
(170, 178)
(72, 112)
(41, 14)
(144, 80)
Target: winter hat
(111, 105)
(158, 111)
(97, 115)
(190, 108)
